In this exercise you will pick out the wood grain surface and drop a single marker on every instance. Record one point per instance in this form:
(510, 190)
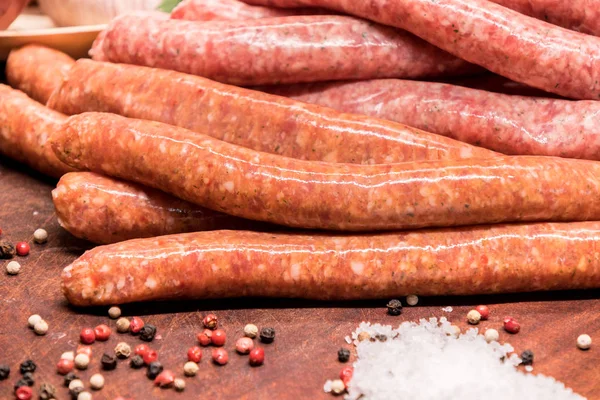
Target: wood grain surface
(309, 334)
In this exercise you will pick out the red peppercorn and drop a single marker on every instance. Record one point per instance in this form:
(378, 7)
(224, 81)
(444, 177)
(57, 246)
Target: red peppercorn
(165, 379)
(194, 354)
(220, 356)
(218, 337)
(204, 337)
(141, 349)
(346, 375)
(87, 336)
(210, 321)
(511, 326)
(22, 248)
(136, 325)
(102, 332)
(484, 311)
(65, 366)
(244, 345)
(257, 356)
(87, 350)
(24, 393)
(150, 356)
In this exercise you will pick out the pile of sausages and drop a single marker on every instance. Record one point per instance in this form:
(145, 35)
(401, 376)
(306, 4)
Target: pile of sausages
(350, 161)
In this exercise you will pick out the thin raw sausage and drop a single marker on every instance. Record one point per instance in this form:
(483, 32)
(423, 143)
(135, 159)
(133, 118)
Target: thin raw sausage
(105, 210)
(504, 41)
(248, 118)
(37, 70)
(308, 194)
(231, 10)
(275, 50)
(507, 124)
(25, 127)
(466, 261)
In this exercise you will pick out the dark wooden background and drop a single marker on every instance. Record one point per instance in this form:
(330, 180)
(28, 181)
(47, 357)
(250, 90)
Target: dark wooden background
(297, 364)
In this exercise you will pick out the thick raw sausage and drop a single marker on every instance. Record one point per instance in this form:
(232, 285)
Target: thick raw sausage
(248, 118)
(25, 127)
(473, 260)
(507, 124)
(275, 50)
(231, 10)
(37, 70)
(504, 41)
(307, 194)
(105, 210)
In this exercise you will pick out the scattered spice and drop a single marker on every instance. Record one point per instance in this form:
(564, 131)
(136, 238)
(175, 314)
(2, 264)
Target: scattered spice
(220, 356)
(148, 332)
(412, 300)
(70, 377)
(84, 396)
(41, 328)
(122, 350)
(584, 342)
(394, 307)
(33, 319)
(136, 324)
(40, 236)
(218, 337)
(210, 321)
(204, 337)
(67, 355)
(511, 325)
(244, 345)
(141, 349)
(27, 366)
(136, 362)
(154, 368)
(123, 325)
(4, 371)
(109, 362)
(21, 382)
(454, 331)
(165, 379)
(87, 336)
(473, 317)
(194, 354)
(190, 368)
(22, 249)
(363, 336)
(484, 311)
(381, 337)
(179, 384)
(346, 375)
(527, 357)
(257, 356)
(343, 355)
(114, 312)
(65, 366)
(150, 356)
(47, 391)
(87, 350)
(82, 361)
(97, 381)
(13, 268)
(337, 386)
(24, 393)
(28, 378)
(267, 335)
(7, 249)
(75, 383)
(250, 330)
(74, 393)
(491, 335)
(102, 332)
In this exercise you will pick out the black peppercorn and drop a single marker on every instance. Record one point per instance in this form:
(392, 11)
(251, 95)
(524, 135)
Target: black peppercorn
(7, 249)
(527, 357)
(394, 307)
(147, 333)
(136, 362)
(380, 337)
(4, 372)
(70, 377)
(27, 366)
(343, 355)
(267, 335)
(47, 391)
(75, 392)
(28, 377)
(154, 369)
(19, 383)
(108, 362)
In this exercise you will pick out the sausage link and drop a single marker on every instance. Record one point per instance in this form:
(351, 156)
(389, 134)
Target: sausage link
(507, 124)
(248, 118)
(276, 50)
(105, 210)
(306, 194)
(37, 70)
(231, 10)
(466, 261)
(25, 127)
(502, 40)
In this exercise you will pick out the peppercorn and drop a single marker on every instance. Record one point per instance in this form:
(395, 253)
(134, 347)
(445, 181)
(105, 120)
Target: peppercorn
(122, 350)
(22, 248)
(250, 330)
(165, 379)
(511, 326)
(24, 393)
(68, 355)
(114, 312)
(190, 368)
(381, 337)
(40, 236)
(454, 331)
(33, 319)
(584, 342)
(220, 356)
(84, 396)
(123, 325)
(97, 381)
(136, 362)
(7, 249)
(257, 356)
(179, 384)
(41, 328)
(363, 336)
(210, 321)
(135, 326)
(218, 337)
(337, 386)
(70, 377)
(27, 366)
(484, 311)
(244, 345)
(527, 357)
(343, 355)
(87, 336)
(150, 356)
(394, 307)
(102, 332)
(154, 368)
(74, 393)
(194, 354)
(87, 350)
(64, 366)
(412, 300)
(4, 371)
(28, 379)
(267, 335)
(346, 374)
(204, 337)
(47, 391)
(82, 361)
(108, 362)
(147, 333)
(491, 335)
(141, 349)
(13, 268)
(473, 317)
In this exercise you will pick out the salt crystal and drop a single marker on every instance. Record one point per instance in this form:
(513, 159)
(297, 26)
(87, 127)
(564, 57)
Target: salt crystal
(447, 309)
(348, 340)
(529, 368)
(327, 386)
(35, 213)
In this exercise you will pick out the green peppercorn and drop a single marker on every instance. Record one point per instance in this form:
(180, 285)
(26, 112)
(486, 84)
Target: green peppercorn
(136, 362)
(7, 249)
(47, 391)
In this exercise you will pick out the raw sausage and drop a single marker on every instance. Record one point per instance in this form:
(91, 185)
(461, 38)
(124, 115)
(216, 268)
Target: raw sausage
(464, 261)
(507, 124)
(231, 10)
(105, 210)
(504, 41)
(37, 70)
(307, 194)
(248, 118)
(25, 126)
(275, 50)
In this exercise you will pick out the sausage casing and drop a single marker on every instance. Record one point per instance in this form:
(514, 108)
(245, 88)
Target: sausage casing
(231, 10)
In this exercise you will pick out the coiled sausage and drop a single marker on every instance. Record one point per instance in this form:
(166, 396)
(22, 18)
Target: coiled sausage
(231, 10)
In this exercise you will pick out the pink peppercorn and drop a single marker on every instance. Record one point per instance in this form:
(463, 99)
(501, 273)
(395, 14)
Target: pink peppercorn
(165, 379)
(24, 393)
(511, 326)
(194, 354)
(218, 337)
(65, 366)
(257, 356)
(141, 349)
(244, 345)
(220, 356)
(136, 325)
(204, 337)
(484, 311)
(102, 332)
(87, 350)
(87, 336)
(22, 248)
(210, 321)
(150, 356)
(346, 375)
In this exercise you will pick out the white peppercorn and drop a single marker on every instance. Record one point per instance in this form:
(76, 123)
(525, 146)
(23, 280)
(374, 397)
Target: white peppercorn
(337, 386)
(584, 342)
(68, 355)
(84, 396)
(454, 331)
(251, 330)
(40, 236)
(123, 325)
(114, 312)
(97, 381)
(75, 383)
(34, 319)
(491, 335)
(122, 350)
(41, 328)
(190, 368)
(473, 317)
(412, 300)
(82, 361)
(13, 268)
(179, 384)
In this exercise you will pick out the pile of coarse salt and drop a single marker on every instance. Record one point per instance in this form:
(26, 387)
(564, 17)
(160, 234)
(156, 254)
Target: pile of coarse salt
(423, 361)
